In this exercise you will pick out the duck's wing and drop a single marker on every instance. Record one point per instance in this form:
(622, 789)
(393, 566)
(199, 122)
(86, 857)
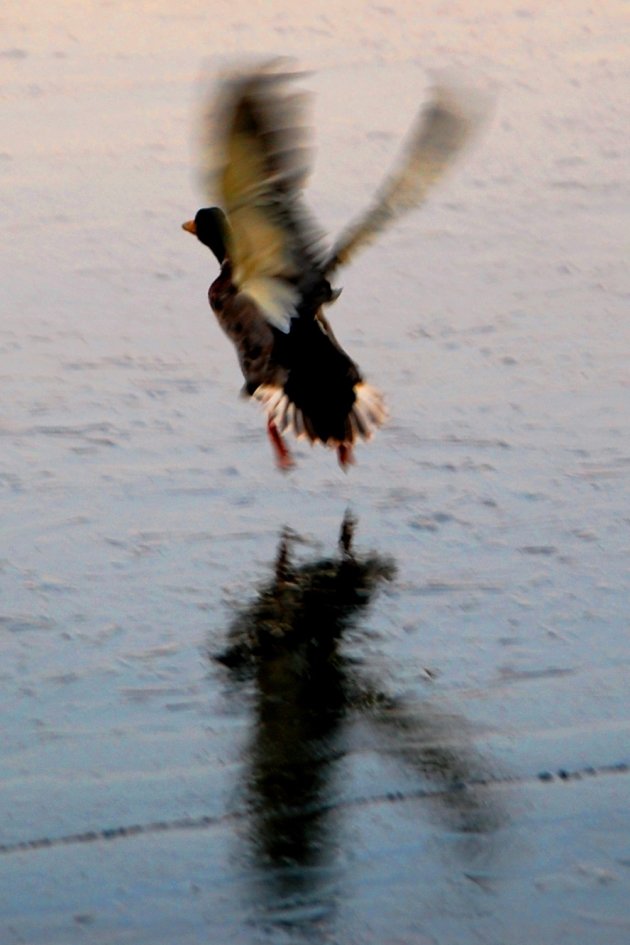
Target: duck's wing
(257, 164)
(442, 129)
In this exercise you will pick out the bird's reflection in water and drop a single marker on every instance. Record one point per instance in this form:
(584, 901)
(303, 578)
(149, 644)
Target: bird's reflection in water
(307, 691)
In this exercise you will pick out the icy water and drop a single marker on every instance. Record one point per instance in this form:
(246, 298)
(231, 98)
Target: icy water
(218, 725)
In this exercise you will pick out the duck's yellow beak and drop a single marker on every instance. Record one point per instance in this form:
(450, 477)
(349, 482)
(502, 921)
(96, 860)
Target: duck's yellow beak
(190, 227)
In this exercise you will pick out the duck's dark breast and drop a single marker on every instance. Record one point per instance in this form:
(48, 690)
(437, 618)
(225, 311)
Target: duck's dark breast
(251, 334)
(222, 290)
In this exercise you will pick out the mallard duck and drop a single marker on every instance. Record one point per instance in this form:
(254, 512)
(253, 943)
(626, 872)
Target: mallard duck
(275, 271)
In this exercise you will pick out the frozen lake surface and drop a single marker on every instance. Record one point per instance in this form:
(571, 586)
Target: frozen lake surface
(449, 764)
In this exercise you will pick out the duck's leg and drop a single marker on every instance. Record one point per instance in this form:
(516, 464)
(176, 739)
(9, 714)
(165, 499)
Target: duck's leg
(345, 455)
(280, 448)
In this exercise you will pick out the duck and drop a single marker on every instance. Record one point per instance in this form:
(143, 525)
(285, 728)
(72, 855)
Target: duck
(276, 272)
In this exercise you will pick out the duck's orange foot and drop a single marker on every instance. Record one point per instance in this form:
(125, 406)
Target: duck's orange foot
(345, 455)
(284, 460)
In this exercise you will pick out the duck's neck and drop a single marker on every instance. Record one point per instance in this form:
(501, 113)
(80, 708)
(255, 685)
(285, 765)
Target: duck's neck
(222, 287)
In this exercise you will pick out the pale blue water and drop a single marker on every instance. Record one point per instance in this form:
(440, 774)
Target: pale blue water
(390, 792)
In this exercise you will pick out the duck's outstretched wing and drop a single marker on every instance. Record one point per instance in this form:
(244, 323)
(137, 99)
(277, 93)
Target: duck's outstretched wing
(256, 167)
(442, 129)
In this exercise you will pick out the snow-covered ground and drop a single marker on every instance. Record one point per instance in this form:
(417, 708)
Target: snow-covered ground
(148, 793)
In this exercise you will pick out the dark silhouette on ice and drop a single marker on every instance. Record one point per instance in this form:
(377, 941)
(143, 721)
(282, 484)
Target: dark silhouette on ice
(309, 693)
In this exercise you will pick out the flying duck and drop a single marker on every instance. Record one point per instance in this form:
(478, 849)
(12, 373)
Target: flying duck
(275, 270)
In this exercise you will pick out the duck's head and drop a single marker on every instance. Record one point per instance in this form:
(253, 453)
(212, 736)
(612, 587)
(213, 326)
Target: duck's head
(210, 226)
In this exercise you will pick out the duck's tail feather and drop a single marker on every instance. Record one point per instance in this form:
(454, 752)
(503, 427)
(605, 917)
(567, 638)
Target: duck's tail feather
(442, 129)
(367, 413)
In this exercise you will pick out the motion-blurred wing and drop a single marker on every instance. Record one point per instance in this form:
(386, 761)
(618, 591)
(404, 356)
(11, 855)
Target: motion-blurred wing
(257, 169)
(443, 128)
